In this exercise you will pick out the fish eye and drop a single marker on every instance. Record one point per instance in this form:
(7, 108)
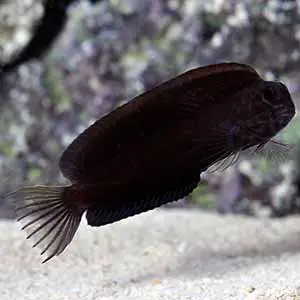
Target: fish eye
(268, 96)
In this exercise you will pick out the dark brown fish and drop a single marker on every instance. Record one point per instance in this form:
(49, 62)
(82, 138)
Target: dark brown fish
(152, 150)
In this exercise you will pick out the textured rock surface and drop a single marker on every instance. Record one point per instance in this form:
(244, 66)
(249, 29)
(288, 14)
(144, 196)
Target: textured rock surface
(160, 255)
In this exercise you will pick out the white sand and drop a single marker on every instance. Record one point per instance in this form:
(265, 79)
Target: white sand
(160, 255)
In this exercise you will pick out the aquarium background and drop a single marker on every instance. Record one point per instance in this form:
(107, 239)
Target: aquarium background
(109, 51)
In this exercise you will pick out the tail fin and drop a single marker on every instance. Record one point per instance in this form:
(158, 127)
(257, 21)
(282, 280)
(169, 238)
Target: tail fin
(47, 218)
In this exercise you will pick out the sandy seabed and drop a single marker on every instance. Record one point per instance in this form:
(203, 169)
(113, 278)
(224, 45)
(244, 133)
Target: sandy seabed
(162, 254)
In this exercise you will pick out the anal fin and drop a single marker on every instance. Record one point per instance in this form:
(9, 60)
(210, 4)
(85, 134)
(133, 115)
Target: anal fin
(98, 216)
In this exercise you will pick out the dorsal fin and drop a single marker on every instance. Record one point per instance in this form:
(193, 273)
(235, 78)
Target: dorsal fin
(176, 98)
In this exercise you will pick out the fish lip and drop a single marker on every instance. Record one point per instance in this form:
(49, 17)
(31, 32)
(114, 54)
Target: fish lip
(285, 121)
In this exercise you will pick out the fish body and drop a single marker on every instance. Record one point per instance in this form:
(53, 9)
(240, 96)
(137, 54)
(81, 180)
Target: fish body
(152, 150)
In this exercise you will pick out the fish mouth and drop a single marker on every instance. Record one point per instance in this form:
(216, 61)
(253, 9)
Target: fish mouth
(284, 117)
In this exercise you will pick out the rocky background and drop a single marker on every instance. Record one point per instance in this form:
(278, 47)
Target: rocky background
(109, 51)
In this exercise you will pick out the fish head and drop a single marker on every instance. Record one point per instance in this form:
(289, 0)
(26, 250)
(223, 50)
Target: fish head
(256, 114)
(262, 114)
(276, 96)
